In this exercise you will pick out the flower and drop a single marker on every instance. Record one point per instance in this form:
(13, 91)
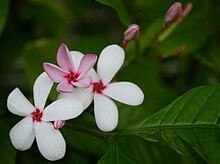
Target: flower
(101, 90)
(37, 119)
(67, 75)
(174, 13)
(131, 33)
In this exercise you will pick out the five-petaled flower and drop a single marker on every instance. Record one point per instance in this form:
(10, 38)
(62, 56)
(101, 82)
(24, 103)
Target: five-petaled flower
(37, 119)
(101, 90)
(68, 75)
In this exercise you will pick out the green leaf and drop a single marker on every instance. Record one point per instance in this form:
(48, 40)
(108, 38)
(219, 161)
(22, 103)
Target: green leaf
(142, 151)
(4, 6)
(114, 156)
(119, 7)
(190, 124)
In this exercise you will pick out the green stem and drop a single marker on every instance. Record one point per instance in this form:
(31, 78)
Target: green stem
(106, 136)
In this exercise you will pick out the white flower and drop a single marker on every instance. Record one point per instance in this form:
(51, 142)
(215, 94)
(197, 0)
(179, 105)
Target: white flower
(101, 90)
(36, 123)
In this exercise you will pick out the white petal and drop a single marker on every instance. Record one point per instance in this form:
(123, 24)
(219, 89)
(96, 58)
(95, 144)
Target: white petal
(42, 87)
(125, 92)
(110, 61)
(106, 113)
(22, 134)
(93, 74)
(62, 109)
(84, 95)
(18, 104)
(49, 141)
(76, 57)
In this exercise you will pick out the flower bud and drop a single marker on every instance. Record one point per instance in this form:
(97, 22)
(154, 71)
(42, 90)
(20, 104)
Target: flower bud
(58, 124)
(174, 13)
(131, 33)
(187, 9)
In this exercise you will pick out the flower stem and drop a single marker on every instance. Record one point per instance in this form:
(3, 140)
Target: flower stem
(106, 136)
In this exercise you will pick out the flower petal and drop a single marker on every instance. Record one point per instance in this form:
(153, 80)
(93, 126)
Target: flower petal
(42, 87)
(62, 109)
(84, 95)
(65, 86)
(54, 72)
(125, 92)
(86, 63)
(76, 58)
(64, 59)
(94, 75)
(85, 82)
(18, 104)
(106, 113)
(49, 141)
(110, 61)
(22, 134)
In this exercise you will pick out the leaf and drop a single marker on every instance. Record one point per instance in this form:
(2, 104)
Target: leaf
(114, 156)
(142, 151)
(190, 124)
(4, 6)
(119, 7)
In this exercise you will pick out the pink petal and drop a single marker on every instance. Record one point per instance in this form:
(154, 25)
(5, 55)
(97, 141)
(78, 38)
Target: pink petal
(110, 61)
(65, 86)
(54, 72)
(106, 113)
(64, 59)
(58, 124)
(85, 82)
(76, 58)
(86, 64)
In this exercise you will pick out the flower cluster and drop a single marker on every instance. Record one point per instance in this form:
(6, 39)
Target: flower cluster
(79, 84)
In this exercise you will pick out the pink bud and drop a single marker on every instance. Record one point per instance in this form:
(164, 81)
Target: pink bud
(131, 33)
(174, 13)
(59, 124)
(187, 9)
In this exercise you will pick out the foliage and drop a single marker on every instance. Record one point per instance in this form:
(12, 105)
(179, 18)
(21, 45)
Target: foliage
(178, 69)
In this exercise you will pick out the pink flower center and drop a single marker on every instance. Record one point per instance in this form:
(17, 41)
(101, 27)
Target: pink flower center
(37, 115)
(98, 87)
(72, 77)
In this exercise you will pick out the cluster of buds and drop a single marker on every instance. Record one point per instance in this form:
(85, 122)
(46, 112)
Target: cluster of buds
(130, 34)
(176, 13)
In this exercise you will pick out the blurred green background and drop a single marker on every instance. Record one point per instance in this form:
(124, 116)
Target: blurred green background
(32, 30)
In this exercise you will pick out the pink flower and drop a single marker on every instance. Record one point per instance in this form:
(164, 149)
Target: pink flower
(68, 75)
(36, 123)
(101, 90)
(174, 13)
(131, 33)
